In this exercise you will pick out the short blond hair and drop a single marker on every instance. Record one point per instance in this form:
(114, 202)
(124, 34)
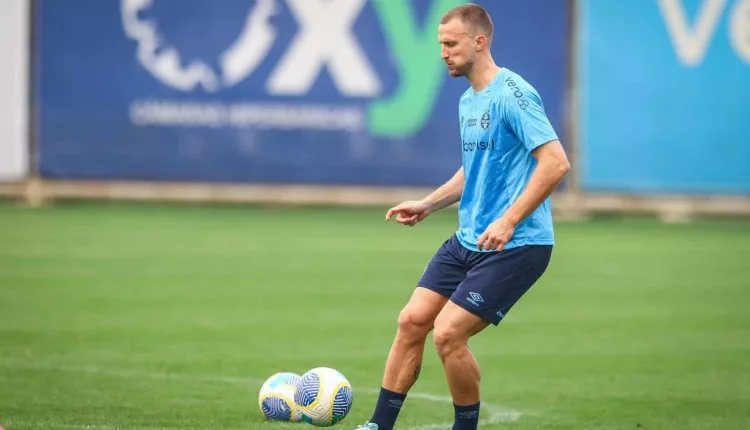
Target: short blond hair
(473, 15)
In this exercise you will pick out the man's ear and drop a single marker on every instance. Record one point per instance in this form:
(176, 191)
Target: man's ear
(480, 42)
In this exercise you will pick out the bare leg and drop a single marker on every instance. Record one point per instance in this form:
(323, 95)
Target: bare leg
(405, 358)
(453, 328)
(414, 323)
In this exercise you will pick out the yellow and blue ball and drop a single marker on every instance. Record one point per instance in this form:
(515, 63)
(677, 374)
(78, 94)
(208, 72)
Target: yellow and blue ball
(324, 397)
(276, 397)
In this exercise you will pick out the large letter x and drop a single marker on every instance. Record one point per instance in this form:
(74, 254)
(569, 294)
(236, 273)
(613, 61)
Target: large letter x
(325, 38)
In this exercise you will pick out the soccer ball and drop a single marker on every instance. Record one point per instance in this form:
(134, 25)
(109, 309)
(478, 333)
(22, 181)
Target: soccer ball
(276, 397)
(324, 397)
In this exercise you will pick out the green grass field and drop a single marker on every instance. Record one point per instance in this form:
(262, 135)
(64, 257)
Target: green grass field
(169, 317)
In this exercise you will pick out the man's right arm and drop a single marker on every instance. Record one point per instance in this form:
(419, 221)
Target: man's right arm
(447, 194)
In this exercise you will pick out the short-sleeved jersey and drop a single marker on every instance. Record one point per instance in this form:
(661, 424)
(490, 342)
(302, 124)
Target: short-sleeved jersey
(500, 126)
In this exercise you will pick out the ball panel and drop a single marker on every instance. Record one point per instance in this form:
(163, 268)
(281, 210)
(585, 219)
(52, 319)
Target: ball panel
(308, 393)
(342, 402)
(277, 408)
(289, 379)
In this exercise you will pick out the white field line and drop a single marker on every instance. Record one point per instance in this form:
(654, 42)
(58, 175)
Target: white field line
(498, 413)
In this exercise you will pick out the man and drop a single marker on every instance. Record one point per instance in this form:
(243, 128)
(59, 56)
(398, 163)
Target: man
(512, 161)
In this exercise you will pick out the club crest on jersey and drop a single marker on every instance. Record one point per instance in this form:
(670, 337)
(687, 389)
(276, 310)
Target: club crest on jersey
(485, 122)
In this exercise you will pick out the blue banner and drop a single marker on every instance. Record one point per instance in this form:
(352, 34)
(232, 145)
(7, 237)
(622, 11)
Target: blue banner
(282, 91)
(665, 96)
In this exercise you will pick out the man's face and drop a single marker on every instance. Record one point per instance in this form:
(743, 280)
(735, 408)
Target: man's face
(457, 47)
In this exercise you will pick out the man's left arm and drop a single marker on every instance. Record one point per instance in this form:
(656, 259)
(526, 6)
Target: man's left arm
(527, 119)
(552, 165)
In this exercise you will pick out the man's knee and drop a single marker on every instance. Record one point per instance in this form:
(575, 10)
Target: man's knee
(447, 338)
(453, 328)
(414, 324)
(418, 317)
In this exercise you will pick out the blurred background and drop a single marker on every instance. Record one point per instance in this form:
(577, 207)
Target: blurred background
(313, 116)
(650, 97)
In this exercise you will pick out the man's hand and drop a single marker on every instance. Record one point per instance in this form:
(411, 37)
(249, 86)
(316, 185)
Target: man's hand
(497, 235)
(409, 212)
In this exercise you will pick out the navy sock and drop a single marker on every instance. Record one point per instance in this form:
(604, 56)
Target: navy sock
(387, 409)
(467, 417)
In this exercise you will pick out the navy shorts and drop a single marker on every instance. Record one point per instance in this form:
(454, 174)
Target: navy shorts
(487, 284)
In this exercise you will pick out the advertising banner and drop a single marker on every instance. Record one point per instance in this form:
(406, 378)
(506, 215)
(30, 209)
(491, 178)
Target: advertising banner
(665, 96)
(273, 91)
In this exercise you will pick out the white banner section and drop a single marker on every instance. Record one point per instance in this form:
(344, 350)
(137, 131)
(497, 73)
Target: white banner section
(14, 79)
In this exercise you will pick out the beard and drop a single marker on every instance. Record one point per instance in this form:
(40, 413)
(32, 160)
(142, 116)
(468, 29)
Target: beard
(463, 70)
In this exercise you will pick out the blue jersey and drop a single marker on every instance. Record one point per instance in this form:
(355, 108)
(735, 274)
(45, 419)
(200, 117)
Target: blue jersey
(500, 126)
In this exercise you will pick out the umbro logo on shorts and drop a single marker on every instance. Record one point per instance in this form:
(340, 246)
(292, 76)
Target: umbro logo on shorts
(475, 298)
